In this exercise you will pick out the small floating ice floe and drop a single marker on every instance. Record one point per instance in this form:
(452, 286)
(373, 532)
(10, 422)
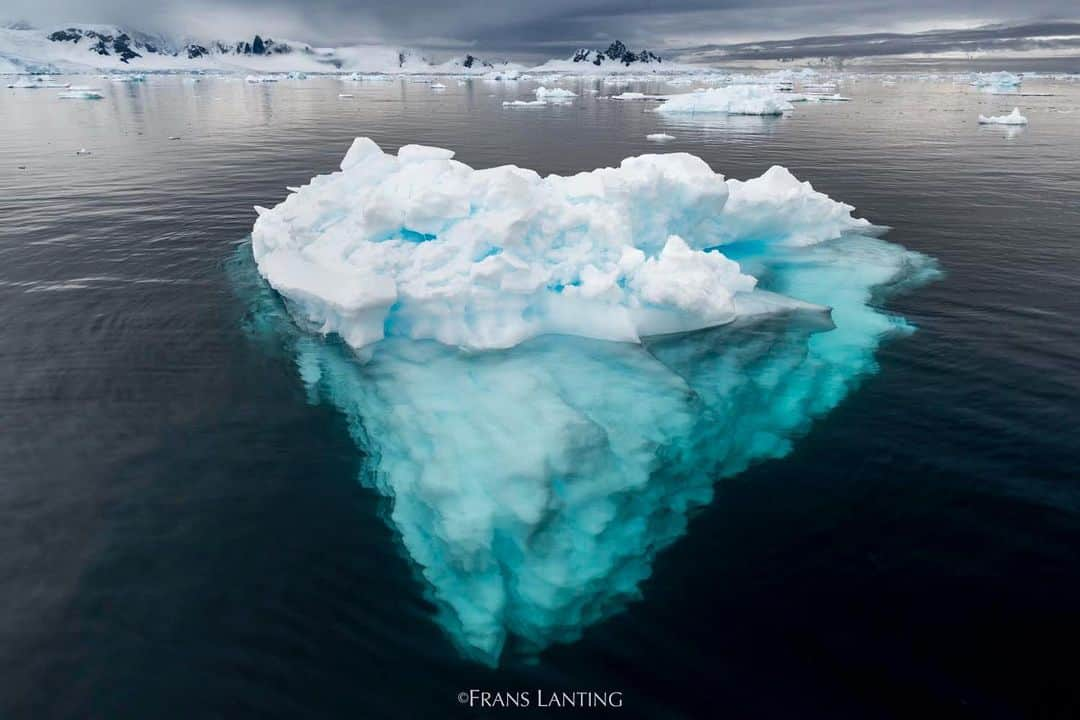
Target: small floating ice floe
(367, 77)
(524, 103)
(81, 94)
(1013, 118)
(1001, 79)
(82, 151)
(438, 86)
(659, 137)
(174, 137)
(344, 95)
(38, 82)
(543, 93)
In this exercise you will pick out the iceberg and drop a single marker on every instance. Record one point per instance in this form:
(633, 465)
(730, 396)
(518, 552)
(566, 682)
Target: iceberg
(732, 100)
(423, 246)
(1013, 118)
(1000, 79)
(821, 88)
(501, 75)
(659, 137)
(80, 94)
(367, 77)
(510, 354)
(543, 93)
(38, 82)
(524, 103)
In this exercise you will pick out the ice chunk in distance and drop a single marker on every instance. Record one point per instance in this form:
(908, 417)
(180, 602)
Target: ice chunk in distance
(1013, 118)
(731, 100)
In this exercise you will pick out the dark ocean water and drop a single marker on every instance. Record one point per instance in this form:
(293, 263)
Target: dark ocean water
(183, 534)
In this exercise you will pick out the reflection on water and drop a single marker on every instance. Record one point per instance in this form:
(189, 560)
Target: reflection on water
(734, 125)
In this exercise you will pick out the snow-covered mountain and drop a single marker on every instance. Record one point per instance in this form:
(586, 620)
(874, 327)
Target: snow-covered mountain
(615, 59)
(616, 52)
(87, 48)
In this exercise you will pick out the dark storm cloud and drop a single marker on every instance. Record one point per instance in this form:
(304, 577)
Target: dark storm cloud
(1049, 37)
(537, 27)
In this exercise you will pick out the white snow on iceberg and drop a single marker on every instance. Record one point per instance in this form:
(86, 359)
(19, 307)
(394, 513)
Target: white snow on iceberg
(533, 485)
(426, 247)
(1013, 118)
(732, 100)
(544, 93)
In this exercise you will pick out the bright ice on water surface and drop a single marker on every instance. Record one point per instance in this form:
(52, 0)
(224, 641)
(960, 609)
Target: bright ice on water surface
(1013, 118)
(731, 100)
(547, 374)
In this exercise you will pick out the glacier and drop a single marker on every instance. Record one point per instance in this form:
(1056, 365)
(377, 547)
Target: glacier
(547, 375)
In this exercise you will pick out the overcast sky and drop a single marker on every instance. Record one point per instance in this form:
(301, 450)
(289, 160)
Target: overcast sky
(535, 27)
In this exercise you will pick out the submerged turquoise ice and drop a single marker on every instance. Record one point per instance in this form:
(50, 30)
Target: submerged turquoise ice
(532, 486)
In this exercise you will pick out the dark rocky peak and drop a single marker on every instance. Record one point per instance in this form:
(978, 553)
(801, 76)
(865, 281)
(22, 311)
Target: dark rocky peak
(71, 35)
(616, 52)
(471, 60)
(102, 43)
(258, 46)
